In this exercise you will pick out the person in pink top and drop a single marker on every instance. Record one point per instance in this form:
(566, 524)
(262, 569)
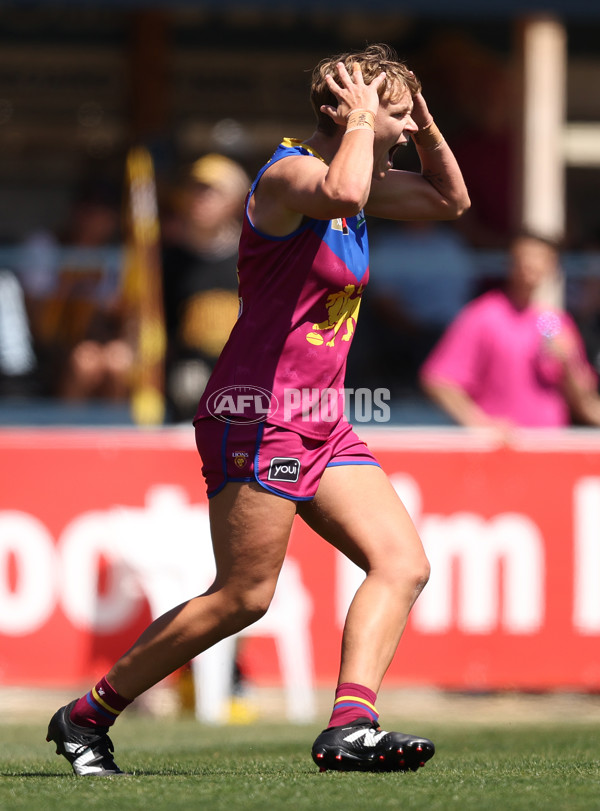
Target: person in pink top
(509, 359)
(271, 434)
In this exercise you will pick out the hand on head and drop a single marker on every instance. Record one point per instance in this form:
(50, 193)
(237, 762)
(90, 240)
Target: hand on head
(352, 93)
(420, 113)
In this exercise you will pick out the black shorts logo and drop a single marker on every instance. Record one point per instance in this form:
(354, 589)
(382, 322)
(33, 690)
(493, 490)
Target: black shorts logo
(284, 469)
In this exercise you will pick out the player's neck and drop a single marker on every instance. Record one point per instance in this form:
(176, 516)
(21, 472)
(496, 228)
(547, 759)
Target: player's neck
(325, 145)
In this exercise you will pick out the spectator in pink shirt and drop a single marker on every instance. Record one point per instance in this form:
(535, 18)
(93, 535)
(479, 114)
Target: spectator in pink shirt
(509, 359)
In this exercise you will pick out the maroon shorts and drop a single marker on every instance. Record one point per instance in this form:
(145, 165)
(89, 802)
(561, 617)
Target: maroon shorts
(282, 461)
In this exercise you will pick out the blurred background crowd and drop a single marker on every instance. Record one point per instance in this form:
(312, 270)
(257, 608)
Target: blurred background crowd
(209, 94)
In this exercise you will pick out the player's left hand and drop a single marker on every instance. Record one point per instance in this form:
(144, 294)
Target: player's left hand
(420, 114)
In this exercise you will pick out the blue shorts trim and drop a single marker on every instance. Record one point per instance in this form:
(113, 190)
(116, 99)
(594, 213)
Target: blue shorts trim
(245, 453)
(353, 462)
(226, 481)
(226, 478)
(281, 493)
(268, 487)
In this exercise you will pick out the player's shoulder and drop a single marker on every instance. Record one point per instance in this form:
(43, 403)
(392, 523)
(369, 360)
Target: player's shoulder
(284, 164)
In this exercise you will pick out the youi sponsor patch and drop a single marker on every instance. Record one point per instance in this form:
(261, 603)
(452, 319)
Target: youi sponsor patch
(284, 469)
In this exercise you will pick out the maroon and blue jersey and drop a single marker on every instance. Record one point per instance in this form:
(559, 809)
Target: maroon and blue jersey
(299, 300)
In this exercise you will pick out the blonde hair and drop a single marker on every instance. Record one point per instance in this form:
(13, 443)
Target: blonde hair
(373, 60)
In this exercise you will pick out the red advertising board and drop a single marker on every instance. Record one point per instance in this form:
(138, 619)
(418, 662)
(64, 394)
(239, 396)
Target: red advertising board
(101, 529)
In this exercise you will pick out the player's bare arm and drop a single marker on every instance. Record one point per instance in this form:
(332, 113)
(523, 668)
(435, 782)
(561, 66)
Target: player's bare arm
(337, 186)
(438, 192)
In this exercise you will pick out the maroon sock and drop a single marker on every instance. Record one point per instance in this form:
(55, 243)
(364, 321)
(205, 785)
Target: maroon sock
(100, 707)
(353, 701)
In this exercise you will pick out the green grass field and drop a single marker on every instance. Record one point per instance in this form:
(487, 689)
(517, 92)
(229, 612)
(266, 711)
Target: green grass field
(179, 764)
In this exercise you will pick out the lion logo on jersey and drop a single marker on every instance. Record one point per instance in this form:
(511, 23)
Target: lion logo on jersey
(342, 311)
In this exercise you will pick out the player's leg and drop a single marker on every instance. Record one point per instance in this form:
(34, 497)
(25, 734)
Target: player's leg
(250, 529)
(358, 511)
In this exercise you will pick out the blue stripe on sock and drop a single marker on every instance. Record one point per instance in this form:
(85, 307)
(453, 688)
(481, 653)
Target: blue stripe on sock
(358, 706)
(97, 708)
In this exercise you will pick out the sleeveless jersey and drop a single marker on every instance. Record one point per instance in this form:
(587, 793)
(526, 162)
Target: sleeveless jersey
(299, 301)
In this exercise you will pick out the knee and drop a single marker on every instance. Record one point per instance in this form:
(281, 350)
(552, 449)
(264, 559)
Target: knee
(249, 605)
(414, 577)
(420, 574)
(407, 574)
(253, 606)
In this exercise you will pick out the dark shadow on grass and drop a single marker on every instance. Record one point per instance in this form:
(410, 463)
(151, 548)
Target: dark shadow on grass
(217, 773)
(34, 774)
(86, 778)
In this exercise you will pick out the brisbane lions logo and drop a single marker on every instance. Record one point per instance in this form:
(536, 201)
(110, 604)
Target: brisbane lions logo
(342, 312)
